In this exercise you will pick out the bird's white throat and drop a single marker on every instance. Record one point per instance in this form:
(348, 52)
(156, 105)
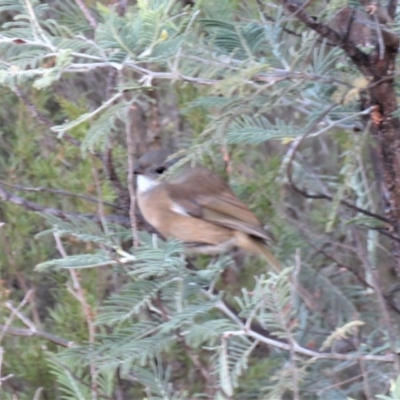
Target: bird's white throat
(144, 183)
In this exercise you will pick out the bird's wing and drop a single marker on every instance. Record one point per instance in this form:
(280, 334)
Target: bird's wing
(201, 193)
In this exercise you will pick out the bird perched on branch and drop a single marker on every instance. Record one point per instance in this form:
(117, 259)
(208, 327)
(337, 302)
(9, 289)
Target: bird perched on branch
(196, 206)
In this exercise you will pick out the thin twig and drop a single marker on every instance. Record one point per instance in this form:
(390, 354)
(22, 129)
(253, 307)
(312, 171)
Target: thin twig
(288, 162)
(284, 324)
(364, 372)
(29, 205)
(21, 316)
(41, 118)
(86, 13)
(78, 290)
(378, 30)
(32, 331)
(390, 358)
(32, 109)
(208, 377)
(99, 196)
(130, 179)
(35, 23)
(361, 59)
(32, 206)
(3, 378)
(357, 274)
(38, 333)
(112, 176)
(80, 296)
(344, 382)
(268, 18)
(179, 52)
(13, 314)
(301, 7)
(57, 192)
(61, 129)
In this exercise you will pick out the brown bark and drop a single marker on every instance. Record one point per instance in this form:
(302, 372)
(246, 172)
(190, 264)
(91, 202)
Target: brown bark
(387, 135)
(379, 68)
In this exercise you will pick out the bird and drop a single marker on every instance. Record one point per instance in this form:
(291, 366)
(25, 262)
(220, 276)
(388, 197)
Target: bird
(195, 205)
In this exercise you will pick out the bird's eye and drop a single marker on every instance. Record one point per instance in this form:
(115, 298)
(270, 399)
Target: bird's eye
(160, 170)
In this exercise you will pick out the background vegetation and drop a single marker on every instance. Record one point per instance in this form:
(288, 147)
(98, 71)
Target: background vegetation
(294, 103)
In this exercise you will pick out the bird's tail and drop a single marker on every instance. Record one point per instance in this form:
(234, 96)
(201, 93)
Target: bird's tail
(256, 245)
(264, 250)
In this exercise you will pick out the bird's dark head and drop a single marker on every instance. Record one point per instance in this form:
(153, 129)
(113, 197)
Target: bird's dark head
(150, 167)
(153, 163)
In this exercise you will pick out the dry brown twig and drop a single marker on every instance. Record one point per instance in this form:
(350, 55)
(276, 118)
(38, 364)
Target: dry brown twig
(86, 12)
(6, 328)
(15, 312)
(3, 378)
(77, 291)
(32, 331)
(32, 206)
(294, 346)
(100, 203)
(56, 192)
(59, 341)
(130, 179)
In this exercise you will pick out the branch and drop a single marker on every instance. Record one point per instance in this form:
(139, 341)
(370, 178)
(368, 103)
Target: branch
(209, 378)
(361, 59)
(2, 379)
(130, 179)
(123, 198)
(304, 193)
(32, 206)
(77, 291)
(260, 5)
(106, 159)
(58, 192)
(38, 32)
(41, 334)
(86, 13)
(40, 117)
(380, 18)
(32, 331)
(345, 203)
(14, 312)
(390, 358)
(357, 274)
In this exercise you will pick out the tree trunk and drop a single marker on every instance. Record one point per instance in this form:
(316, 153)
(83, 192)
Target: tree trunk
(379, 69)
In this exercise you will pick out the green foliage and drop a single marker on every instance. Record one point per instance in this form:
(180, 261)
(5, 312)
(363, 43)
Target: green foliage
(141, 335)
(247, 90)
(269, 301)
(70, 384)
